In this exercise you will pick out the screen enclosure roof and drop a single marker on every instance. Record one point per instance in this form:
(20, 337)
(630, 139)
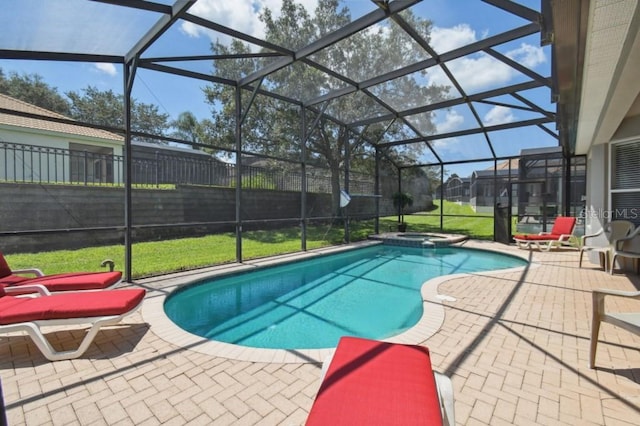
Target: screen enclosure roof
(494, 59)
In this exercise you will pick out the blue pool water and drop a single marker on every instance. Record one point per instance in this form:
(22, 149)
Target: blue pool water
(372, 292)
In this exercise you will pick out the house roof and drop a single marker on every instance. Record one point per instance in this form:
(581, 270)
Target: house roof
(29, 122)
(512, 164)
(597, 55)
(499, 172)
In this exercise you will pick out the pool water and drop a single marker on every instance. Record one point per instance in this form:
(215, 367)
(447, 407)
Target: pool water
(372, 292)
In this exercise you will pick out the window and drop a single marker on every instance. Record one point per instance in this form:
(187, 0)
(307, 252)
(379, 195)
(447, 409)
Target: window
(89, 163)
(625, 181)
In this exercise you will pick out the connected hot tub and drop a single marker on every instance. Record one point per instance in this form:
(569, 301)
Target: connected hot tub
(419, 239)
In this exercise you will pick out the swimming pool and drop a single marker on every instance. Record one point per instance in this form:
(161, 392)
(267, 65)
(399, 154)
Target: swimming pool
(372, 292)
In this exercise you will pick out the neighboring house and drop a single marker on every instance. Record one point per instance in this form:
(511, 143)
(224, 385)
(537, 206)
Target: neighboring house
(162, 164)
(38, 150)
(457, 189)
(483, 186)
(57, 151)
(536, 180)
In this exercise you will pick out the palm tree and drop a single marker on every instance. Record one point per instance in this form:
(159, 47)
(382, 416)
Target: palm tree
(401, 200)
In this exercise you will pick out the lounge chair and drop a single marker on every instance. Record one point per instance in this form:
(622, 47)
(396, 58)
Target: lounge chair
(372, 382)
(560, 234)
(629, 321)
(627, 247)
(28, 313)
(602, 241)
(72, 281)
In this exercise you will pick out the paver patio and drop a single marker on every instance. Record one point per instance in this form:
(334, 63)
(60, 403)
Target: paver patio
(515, 345)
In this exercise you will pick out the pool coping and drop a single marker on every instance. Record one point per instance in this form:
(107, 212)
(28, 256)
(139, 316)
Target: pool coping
(153, 311)
(435, 239)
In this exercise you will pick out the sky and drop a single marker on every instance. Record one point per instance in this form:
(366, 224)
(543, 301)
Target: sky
(455, 23)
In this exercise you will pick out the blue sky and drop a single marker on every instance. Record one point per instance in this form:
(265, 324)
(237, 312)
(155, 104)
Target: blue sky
(455, 23)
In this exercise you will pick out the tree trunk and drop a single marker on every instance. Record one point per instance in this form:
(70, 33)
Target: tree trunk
(335, 191)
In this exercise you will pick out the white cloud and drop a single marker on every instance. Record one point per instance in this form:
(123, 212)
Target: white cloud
(449, 146)
(473, 73)
(498, 115)
(106, 68)
(452, 121)
(480, 71)
(240, 15)
(528, 55)
(446, 39)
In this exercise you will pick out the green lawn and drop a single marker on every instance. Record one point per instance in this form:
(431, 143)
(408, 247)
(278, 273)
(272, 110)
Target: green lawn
(158, 257)
(469, 223)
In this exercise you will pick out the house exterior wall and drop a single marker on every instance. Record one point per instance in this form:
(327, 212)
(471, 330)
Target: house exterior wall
(599, 208)
(53, 140)
(597, 187)
(43, 159)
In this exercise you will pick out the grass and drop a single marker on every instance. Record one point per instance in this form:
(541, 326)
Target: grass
(476, 225)
(158, 257)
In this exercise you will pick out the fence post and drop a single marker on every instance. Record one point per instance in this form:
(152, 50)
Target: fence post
(86, 162)
(157, 170)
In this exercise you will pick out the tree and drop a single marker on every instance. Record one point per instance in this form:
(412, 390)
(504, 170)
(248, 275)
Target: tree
(32, 89)
(105, 108)
(402, 200)
(273, 127)
(188, 128)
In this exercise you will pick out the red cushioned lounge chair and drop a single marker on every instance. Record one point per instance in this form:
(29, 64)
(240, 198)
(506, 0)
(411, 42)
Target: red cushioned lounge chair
(560, 234)
(58, 282)
(368, 382)
(28, 313)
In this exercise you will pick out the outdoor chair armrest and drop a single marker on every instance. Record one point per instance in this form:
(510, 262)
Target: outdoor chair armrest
(37, 272)
(631, 236)
(28, 289)
(620, 293)
(566, 239)
(583, 239)
(617, 244)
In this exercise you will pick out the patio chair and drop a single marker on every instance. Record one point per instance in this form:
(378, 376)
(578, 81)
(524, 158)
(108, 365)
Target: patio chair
(627, 247)
(602, 241)
(629, 321)
(372, 382)
(28, 313)
(561, 234)
(73, 281)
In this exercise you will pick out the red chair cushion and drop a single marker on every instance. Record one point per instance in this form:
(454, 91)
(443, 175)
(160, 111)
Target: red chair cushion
(5, 270)
(13, 279)
(371, 382)
(563, 225)
(68, 305)
(535, 237)
(68, 281)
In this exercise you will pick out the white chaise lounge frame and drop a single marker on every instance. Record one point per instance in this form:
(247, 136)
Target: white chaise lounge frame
(33, 328)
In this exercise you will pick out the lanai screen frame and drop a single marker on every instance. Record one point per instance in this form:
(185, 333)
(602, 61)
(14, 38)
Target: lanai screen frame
(133, 60)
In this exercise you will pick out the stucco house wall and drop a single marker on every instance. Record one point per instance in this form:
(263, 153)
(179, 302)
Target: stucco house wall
(51, 142)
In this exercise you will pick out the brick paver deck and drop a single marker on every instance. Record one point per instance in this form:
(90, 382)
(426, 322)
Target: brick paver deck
(515, 345)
